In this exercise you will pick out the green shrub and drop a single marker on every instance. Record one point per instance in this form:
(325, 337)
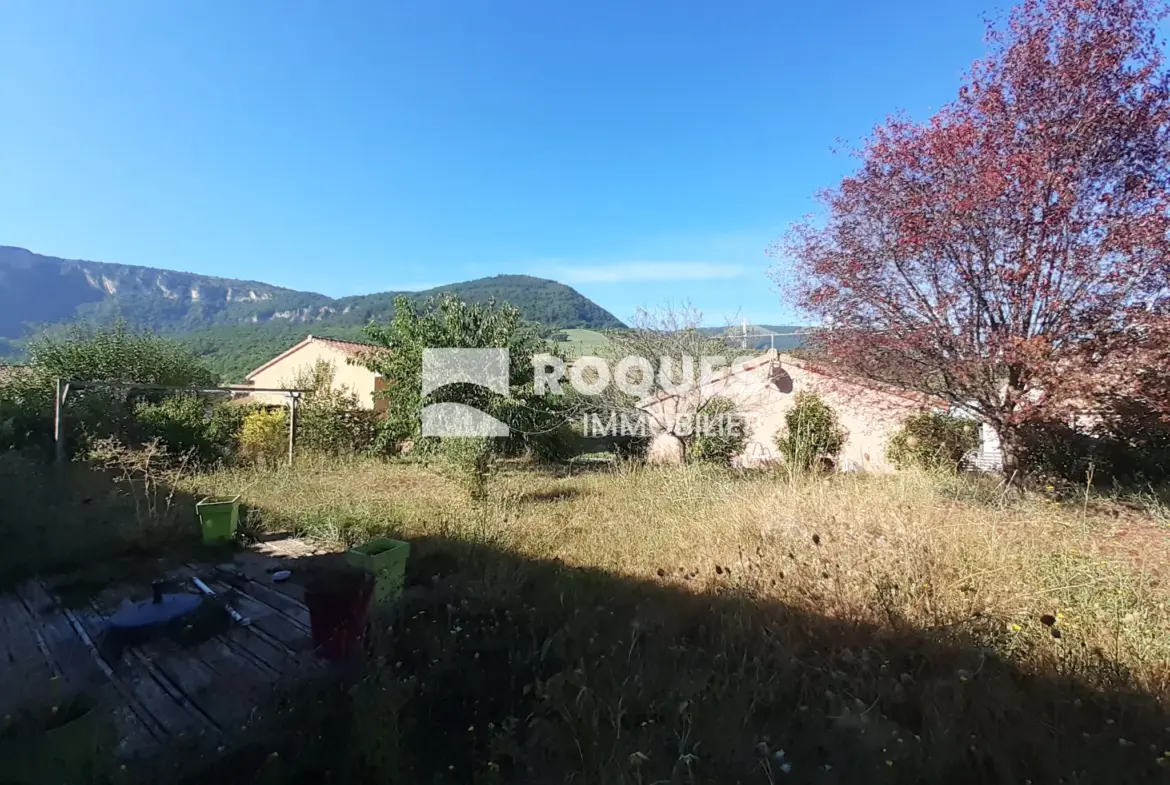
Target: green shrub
(471, 461)
(182, 424)
(336, 424)
(331, 421)
(114, 355)
(719, 433)
(1127, 452)
(812, 436)
(264, 436)
(26, 412)
(227, 420)
(554, 445)
(186, 423)
(933, 440)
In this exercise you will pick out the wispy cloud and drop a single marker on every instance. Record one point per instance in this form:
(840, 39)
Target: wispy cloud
(622, 272)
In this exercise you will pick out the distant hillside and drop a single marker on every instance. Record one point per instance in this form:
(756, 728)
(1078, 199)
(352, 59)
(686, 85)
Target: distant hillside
(761, 336)
(236, 322)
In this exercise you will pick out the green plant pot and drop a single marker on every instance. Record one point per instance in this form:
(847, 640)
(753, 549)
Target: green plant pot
(218, 518)
(65, 755)
(386, 559)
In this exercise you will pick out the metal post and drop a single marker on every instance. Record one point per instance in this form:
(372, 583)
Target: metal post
(58, 442)
(292, 424)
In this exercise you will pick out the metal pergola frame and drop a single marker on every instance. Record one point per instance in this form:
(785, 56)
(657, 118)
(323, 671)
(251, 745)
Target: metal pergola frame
(64, 387)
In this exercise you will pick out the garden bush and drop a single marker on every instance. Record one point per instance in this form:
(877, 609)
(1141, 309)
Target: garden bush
(719, 433)
(933, 440)
(91, 359)
(331, 421)
(264, 436)
(812, 437)
(470, 461)
(1126, 453)
(26, 411)
(183, 424)
(334, 423)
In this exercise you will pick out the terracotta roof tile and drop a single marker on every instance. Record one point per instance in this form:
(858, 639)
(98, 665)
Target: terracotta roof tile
(350, 348)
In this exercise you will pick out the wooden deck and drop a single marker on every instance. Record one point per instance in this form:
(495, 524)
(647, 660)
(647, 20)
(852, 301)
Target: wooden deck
(164, 688)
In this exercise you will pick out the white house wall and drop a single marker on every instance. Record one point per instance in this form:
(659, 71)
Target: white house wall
(355, 378)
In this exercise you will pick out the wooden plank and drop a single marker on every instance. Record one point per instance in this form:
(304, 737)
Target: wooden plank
(219, 682)
(267, 625)
(137, 730)
(289, 588)
(268, 621)
(192, 679)
(272, 641)
(74, 662)
(292, 610)
(261, 649)
(169, 712)
(148, 657)
(259, 567)
(27, 668)
(234, 686)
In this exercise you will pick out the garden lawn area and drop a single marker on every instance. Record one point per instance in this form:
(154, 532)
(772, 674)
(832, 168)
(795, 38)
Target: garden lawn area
(693, 625)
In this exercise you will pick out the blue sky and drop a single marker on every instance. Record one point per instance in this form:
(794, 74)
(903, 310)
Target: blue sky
(642, 152)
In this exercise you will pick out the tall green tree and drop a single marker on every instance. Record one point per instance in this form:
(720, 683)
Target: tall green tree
(115, 354)
(446, 322)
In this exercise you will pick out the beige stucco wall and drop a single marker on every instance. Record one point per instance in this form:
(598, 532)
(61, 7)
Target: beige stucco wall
(355, 378)
(767, 391)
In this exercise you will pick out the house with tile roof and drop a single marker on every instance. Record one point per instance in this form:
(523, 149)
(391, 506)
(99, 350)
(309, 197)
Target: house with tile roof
(342, 356)
(764, 389)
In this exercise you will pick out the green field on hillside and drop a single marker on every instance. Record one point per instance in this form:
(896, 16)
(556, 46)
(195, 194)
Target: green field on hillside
(580, 342)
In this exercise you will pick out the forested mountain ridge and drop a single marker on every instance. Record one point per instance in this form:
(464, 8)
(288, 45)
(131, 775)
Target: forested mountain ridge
(245, 318)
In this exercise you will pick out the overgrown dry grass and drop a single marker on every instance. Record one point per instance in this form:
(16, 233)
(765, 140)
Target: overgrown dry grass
(684, 625)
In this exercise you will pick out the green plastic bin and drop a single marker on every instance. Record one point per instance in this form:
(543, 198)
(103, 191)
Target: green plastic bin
(219, 518)
(387, 560)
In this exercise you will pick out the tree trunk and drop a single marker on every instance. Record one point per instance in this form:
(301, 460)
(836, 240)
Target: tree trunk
(1011, 448)
(667, 448)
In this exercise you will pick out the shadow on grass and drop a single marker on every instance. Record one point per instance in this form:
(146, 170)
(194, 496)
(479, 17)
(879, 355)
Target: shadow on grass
(495, 668)
(92, 528)
(499, 669)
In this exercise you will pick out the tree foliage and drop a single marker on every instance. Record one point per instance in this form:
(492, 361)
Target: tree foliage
(87, 358)
(183, 424)
(331, 420)
(994, 253)
(673, 344)
(933, 440)
(26, 409)
(446, 322)
(117, 354)
(232, 352)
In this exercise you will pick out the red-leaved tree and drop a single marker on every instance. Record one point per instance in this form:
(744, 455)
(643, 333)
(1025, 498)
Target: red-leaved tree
(1001, 252)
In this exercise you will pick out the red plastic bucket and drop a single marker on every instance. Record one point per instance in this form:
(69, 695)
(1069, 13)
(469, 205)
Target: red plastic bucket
(337, 616)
